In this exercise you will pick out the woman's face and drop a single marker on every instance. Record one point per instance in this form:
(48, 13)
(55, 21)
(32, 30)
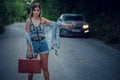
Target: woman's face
(36, 12)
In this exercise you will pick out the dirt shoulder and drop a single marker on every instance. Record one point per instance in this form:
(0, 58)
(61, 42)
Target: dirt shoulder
(116, 46)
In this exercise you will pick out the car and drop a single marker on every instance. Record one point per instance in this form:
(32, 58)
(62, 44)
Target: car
(81, 25)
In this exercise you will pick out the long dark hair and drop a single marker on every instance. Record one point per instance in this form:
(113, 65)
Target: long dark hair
(34, 5)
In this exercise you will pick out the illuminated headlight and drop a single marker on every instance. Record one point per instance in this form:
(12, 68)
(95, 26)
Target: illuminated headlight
(86, 26)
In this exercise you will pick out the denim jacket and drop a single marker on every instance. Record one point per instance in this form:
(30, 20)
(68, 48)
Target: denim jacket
(52, 37)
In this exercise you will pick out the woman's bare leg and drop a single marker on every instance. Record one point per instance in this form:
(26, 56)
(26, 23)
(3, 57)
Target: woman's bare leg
(44, 61)
(30, 75)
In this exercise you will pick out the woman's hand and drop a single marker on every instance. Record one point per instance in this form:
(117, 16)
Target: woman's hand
(30, 55)
(69, 25)
(72, 25)
(29, 51)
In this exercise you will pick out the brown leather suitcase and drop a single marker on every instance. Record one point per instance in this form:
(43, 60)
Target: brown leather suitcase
(29, 66)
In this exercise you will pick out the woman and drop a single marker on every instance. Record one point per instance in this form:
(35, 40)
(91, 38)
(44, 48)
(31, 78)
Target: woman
(35, 26)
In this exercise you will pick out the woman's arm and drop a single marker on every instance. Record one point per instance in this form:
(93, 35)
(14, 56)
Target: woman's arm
(48, 22)
(68, 25)
(28, 30)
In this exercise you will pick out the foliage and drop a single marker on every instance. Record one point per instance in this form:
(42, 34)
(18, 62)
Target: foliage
(102, 15)
(11, 11)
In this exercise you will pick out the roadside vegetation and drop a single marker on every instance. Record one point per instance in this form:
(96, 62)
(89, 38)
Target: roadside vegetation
(102, 15)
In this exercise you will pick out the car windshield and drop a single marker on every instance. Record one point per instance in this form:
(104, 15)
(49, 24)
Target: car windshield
(73, 18)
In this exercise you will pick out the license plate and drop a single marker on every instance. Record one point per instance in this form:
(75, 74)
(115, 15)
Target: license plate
(75, 30)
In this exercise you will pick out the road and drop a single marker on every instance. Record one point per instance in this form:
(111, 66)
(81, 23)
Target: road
(78, 59)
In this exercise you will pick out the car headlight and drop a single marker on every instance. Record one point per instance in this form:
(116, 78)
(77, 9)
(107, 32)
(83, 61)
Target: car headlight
(85, 26)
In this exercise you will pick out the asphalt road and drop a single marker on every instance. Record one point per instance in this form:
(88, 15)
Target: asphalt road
(78, 59)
